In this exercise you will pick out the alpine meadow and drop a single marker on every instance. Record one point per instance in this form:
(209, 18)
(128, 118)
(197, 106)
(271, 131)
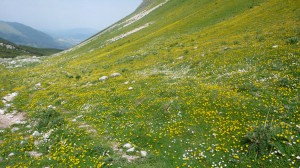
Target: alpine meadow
(178, 83)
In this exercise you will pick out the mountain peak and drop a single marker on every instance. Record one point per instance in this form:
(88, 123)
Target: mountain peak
(25, 35)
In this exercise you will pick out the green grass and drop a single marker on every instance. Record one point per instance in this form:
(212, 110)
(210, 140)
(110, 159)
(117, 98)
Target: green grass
(24, 50)
(209, 90)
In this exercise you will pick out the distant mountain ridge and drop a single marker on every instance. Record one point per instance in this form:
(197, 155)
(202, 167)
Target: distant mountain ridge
(72, 36)
(24, 35)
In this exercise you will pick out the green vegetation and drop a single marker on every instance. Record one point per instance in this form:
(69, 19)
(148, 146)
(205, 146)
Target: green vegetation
(41, 51)
(11, 50)
(208, 83)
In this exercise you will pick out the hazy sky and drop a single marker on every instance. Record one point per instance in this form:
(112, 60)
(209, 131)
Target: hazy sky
(66, 14)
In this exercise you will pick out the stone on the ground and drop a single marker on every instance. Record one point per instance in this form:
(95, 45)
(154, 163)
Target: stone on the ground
(115, 75)
(38, 85)
(130, 158)
(131, 149)
(11, 154)
(51, 107)
(130, 88)
(34, 154)
(10, 97)
(181, 57)
(2, 111)
(128, 145)
(103, 78)
(36, 133)
(143, 153)
(46, 136)
(14, 129)
(226, 48)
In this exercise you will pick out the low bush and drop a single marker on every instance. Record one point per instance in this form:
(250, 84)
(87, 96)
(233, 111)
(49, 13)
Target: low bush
(48, 119)
(292, 40)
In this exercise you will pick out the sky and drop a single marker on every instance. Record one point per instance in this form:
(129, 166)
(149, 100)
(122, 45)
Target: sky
(66, 14)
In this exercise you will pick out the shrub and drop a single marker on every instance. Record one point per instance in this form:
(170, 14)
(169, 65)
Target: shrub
(186, 51)
(69, 76)
(78, 77)
(292, 40)
(285, 82)
(48, 119)
(236, 42)
(247, 87)
(260, 38)
(263, 139)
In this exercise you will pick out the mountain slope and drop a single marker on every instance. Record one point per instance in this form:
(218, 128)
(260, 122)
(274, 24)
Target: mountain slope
(194, 83)
(11, 50)
(25, 35)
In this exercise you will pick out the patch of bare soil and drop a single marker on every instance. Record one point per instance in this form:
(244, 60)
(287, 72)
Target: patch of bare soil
(6, 120)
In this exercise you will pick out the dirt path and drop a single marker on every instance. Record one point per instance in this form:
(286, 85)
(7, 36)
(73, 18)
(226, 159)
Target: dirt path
(6, 120)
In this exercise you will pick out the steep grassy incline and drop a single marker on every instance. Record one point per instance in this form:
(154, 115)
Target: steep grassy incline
(194, 83)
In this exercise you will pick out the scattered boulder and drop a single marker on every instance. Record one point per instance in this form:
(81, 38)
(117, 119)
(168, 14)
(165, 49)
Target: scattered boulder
(2, 111)
(36, 133)
(226, 48)
(130, 158)
(103, 78)
(128, 145)
(131, 149)
(38, 86)
(275, 46)
(130, 88)
(10, 97)
(51, 107)
(46, 136)
(34, 154)
(14, 129)
(11, 154)
(37, 142)
(180, 58)
(28, 126)
(143, 153)
(115, 75)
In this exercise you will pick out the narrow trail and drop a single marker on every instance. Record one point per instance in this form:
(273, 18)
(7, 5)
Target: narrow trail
(8, 119)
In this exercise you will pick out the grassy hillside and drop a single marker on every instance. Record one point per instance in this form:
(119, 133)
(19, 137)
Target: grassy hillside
(201, 83)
